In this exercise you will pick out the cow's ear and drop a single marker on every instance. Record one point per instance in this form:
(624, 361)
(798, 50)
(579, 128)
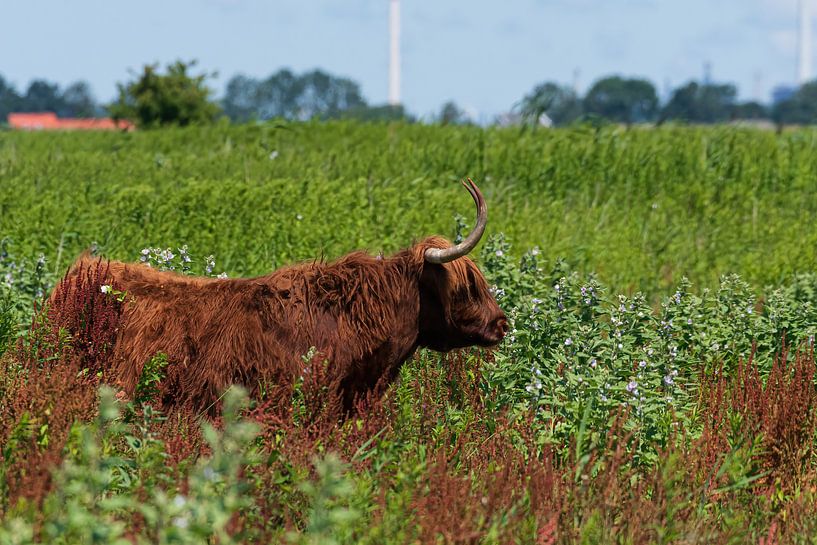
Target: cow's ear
(259, 294)
(438, 285)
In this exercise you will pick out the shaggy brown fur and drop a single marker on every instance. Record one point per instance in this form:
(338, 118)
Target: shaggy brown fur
(365, 315)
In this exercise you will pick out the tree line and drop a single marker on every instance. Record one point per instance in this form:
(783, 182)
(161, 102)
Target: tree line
(635, 100)
(75, 100)
(178, 97)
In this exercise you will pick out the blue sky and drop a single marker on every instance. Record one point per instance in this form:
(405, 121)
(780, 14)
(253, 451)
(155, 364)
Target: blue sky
(483, 54)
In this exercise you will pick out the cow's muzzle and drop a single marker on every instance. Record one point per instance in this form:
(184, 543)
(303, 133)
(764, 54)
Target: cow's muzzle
(495, 331)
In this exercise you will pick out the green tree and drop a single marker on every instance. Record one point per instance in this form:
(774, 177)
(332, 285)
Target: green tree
(324, 95)
(240, 99)
(78, 101)
(799, 109)
(379, 113)
(174, 98)
(451, 114)
(750, 110)
(288, 95)
(42, 96)
(707, 103)
(9, 99)
(559, 103)
(622, 100)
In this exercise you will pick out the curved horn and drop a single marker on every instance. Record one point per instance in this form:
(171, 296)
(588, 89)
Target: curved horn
(444, 255)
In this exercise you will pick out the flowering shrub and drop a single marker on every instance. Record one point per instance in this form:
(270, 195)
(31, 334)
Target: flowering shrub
(102, 489)
(8, 322)
(23, 283)
(166, 260)
(574, 353)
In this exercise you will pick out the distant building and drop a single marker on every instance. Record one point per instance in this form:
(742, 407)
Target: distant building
(508, 119)
(48, 121)
(512, 119)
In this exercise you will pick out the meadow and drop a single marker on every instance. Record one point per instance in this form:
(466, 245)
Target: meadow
(657, 385)
(639, 208)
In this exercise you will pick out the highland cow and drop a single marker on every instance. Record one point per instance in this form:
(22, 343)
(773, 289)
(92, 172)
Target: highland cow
(364, 315)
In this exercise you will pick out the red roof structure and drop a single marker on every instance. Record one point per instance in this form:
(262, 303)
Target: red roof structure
(48, 121)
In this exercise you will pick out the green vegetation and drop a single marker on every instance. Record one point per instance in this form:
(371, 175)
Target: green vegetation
(645, 393)
(641, 208)
(622, 100)
(285, 94)
(74, 100)
(158, 100)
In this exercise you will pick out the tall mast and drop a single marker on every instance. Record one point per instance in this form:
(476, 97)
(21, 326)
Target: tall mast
(394, 52)
(804, 42)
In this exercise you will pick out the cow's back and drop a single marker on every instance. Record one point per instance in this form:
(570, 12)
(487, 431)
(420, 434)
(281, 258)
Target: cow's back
(214, 332)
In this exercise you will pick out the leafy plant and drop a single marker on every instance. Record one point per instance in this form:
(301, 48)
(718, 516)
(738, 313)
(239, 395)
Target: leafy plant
(153, 372)
(8, 322)
(330, 518)
(173, 98)
(23, 283)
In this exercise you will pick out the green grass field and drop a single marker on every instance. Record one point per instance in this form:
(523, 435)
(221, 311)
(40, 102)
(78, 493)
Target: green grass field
(640, 208)
(657, 385)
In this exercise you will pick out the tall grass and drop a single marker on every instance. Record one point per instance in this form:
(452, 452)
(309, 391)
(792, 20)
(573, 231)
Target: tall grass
(641, 208)
(8, 322)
